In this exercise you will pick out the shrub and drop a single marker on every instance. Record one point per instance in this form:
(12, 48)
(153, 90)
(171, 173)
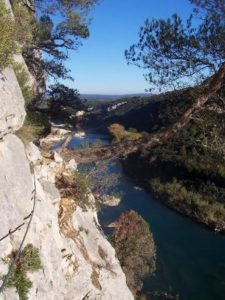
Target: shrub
(25, 24)
(8, 45)
(29, 261)
(22, 78)
(119, 133)
(15, 31)
(64, 102)
(135, 248)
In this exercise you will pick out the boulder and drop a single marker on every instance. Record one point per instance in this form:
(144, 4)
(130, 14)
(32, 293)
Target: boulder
(110, 200)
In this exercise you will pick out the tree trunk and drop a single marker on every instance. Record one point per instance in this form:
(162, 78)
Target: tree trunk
(127, 147)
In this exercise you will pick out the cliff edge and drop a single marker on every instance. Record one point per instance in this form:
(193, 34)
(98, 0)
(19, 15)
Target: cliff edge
(76, 260)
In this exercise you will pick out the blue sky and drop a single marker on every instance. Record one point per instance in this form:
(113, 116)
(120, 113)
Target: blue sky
(99, 66)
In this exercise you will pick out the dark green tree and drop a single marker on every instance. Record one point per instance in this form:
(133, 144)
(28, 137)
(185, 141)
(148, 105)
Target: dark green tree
(177, 53)
(60, 26)
(64, 101)
(56, 38)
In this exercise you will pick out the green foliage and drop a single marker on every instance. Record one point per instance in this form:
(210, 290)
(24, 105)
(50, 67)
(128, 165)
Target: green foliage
(56, 69)
(182, 197)
(25, 23)
(135, 248)
(23, 78)
(36, 126)
(119, 133)
(15, 31)
(63, 101)
(29, 261)
(148, 114)
(8, 45)
(194, 156)
(85, 144)
(178, 53)
(83, 191)
(56, 38)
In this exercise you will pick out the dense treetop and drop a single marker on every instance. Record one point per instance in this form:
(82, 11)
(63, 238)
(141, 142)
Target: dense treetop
(59, 27)
(177, 53)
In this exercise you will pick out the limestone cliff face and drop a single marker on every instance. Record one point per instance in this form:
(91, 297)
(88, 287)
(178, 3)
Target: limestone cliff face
(32, 61)
(77, 260)
(12, 112)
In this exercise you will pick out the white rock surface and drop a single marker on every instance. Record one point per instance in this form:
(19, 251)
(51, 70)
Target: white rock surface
(80, 134)
(57, 157)
(16, 185)
(12, 112)
(59, 131)
(72, 165)
(80, 113)
(77, 259)
(115, 106)
(33, 152)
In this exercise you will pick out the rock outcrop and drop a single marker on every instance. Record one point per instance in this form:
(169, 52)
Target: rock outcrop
(77, 260)
(12, 112)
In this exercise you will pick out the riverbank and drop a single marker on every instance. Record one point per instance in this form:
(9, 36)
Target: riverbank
(174, 194)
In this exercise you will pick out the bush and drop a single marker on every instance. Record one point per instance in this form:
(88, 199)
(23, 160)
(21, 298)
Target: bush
(135, 248)
(15, 31)
(8, 45)
(119, 133)
(64, 101)
(22, 78)
(29, 261)
(25, 24)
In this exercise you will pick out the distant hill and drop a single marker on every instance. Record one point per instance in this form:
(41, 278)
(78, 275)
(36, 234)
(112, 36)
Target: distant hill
(95, 97)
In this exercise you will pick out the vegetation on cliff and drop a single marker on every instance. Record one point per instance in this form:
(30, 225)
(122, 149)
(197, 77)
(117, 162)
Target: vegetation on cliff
(28, 261)
(135, 248)
(55, 36)
(14, 31)
(187, 172)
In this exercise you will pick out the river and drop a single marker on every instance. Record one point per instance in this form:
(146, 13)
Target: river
(190, 258)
